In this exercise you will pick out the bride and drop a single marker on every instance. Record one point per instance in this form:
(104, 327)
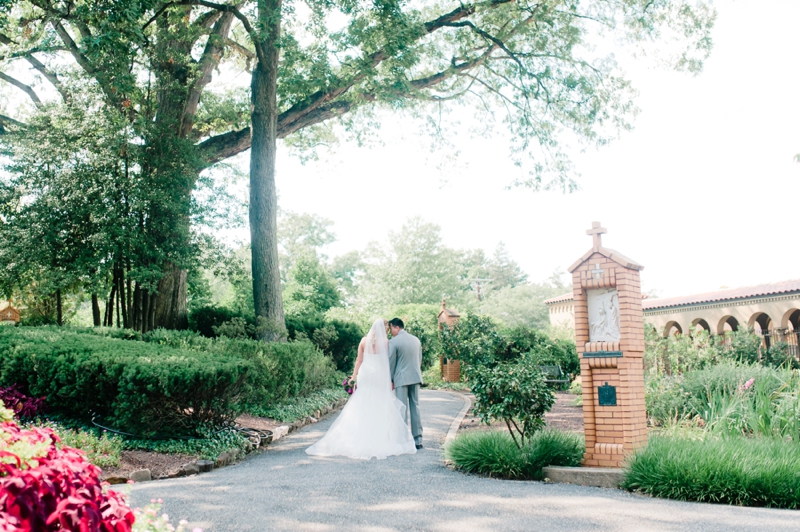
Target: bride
(372, 422)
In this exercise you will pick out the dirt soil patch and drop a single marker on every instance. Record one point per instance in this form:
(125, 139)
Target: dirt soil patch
(562, 416)
(258, 423)
(160, 465)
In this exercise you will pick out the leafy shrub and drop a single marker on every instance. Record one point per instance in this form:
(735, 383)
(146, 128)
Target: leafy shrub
(495, 453)
(338, 339)
(46, 488)
(148, 520)
(513, 392)
(137, 386)
(205, 319)
(422, 321)
(683, 353)
(541, 349)
(474, 339)
(279, 370)
(22, 405)
(734, 470)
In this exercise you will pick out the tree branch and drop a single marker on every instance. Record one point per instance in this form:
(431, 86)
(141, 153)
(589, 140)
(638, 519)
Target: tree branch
(208, 62)
(51, 76)
(66, 38)
(9, 121)
(223, 8)
(27, 89)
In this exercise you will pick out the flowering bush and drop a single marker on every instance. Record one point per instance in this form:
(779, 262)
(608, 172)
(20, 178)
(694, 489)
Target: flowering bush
(148, 520)
(21, 404)
(44, 488)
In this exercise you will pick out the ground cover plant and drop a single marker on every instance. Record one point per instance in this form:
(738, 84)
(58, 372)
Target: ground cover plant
(300, 407)
(496, 454)
(750, 471)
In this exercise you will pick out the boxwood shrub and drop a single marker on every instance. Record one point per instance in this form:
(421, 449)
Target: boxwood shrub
(140, 387)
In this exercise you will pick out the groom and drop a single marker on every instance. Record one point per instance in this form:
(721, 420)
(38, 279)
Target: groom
(405, 367)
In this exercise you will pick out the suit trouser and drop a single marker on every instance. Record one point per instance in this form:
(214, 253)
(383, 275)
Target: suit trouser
(409, 395)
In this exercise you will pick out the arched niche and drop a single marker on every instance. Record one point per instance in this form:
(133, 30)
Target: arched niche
(701, 325)
(760, 322)
(791, 320)
(672, 328)
(727, 324)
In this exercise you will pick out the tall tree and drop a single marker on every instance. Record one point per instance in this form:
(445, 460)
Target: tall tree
(529, 62)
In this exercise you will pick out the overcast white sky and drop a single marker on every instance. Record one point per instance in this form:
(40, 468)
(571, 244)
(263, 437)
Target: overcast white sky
(704, 192)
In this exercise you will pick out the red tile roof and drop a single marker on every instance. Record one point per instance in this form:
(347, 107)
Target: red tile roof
(746, 292)
(559, 299)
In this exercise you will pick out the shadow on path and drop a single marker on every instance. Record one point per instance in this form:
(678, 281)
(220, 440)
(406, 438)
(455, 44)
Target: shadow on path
(285, 489)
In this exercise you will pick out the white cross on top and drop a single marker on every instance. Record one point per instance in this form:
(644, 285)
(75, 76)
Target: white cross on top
(596, 231)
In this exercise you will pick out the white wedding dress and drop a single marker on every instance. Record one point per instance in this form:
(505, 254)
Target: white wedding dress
(372, 423)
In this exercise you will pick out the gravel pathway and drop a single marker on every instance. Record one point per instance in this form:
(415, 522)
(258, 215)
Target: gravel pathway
(284, 489)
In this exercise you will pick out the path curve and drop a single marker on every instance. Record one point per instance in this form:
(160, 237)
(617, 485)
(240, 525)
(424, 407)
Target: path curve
(285, 489)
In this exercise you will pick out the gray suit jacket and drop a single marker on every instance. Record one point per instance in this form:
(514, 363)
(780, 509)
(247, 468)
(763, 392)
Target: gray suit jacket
(405, 359)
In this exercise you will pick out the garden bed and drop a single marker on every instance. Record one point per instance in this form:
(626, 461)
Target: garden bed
(563, 416)
(168, 465)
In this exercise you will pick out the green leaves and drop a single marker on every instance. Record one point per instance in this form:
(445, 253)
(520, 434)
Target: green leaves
(514, 393)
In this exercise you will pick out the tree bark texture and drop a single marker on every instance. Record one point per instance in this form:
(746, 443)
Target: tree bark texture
(169, 309)
(267, 296)
(59, 313)
(96, 311)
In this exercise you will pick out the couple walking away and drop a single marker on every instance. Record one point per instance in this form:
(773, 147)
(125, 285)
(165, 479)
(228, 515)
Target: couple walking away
(388, 376)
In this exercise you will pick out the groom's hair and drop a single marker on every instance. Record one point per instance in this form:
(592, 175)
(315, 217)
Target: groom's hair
(397, 322)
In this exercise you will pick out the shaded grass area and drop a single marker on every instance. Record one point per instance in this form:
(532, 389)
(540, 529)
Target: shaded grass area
(495, 454)
(747, 471)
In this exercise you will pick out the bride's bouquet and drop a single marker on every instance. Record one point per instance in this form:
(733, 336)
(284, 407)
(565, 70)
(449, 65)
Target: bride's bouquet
(349, 385)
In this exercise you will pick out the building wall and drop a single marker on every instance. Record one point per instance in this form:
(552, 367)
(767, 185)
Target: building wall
(562, 315)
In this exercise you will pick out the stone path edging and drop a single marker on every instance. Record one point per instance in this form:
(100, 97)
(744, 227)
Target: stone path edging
(456, 424)
(195, 467)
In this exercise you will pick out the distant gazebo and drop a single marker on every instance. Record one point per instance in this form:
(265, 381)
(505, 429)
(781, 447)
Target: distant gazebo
(9, 316)
(451, 370)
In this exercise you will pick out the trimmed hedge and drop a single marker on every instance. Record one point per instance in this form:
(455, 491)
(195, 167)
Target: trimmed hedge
(135, 386)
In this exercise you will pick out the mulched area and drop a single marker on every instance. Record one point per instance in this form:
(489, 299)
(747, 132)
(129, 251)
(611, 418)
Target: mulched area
(160, 464)
(562, 416)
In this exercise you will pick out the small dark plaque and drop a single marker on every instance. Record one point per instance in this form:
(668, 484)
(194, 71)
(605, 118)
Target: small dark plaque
(602, 354)
(607, 395)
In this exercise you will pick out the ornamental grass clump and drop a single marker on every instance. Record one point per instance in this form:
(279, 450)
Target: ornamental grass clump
(697, 466)
(494, 453)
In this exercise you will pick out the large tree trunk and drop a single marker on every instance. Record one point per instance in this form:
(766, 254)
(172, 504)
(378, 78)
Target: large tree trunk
(96, 311)
(267, 296)
(169, 307)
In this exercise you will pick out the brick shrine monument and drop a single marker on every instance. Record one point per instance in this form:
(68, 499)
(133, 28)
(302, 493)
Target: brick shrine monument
(609, 335)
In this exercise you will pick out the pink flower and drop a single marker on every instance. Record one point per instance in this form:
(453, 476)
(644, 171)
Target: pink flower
(749, 383)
